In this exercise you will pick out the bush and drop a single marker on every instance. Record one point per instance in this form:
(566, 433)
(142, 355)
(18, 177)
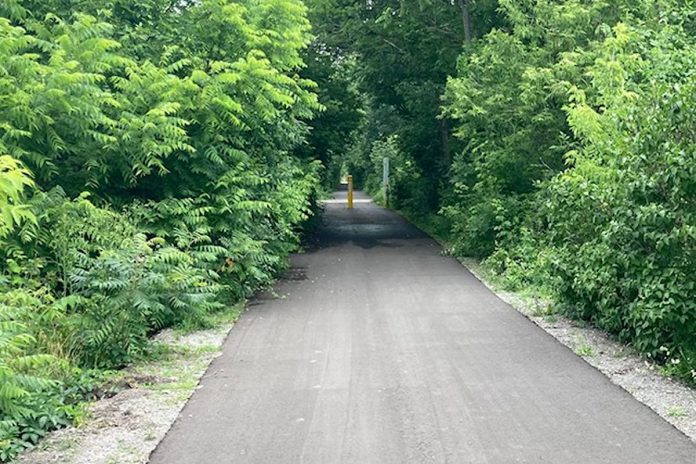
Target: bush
(623, 219)
(611, 230)
(151, 174)
(14, 180)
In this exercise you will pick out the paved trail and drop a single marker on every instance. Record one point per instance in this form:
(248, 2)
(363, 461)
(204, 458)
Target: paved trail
(380, 350)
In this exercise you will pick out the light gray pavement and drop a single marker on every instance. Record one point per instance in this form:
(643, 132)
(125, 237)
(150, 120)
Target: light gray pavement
(378, 349)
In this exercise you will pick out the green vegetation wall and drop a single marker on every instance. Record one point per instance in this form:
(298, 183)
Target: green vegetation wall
(577, 173)
(153, 169)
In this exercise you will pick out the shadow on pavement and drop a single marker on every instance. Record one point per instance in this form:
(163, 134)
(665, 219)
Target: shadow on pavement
(367, 225)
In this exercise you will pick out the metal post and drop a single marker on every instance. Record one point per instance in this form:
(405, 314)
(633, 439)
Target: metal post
(385, 179)
(350, 192)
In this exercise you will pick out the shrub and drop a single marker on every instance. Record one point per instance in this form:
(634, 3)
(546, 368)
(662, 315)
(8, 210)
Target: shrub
(150, 175)
(623, 219)
(577, 174)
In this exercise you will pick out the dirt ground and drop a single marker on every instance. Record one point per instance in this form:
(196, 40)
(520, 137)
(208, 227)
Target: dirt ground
(125, 428)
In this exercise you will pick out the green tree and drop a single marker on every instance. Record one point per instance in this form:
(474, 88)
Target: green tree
(405, 52)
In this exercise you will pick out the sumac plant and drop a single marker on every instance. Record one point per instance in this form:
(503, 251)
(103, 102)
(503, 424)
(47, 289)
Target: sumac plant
(150, 175)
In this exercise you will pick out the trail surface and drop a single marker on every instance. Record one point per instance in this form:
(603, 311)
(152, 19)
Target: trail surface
(376, 349)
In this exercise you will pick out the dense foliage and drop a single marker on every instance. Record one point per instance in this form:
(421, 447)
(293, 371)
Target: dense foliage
(403, 53)
(153, 170)
(157, 159)
(578, 170)
(554, 138)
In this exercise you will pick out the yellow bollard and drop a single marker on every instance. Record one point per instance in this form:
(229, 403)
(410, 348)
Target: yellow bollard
(350, 192)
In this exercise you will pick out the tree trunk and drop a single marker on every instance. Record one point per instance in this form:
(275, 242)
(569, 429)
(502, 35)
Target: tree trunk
(466, 20)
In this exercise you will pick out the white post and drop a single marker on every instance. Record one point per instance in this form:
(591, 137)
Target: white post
(385, 179)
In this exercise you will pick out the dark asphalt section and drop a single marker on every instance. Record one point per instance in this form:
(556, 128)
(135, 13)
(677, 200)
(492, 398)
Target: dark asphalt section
(378, 349)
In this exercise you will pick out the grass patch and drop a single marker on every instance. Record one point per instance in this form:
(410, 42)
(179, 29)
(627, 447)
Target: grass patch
(677, 412)
(584, 349)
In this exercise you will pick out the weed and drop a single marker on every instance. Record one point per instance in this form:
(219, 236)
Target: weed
(677, 412)
(585, 350)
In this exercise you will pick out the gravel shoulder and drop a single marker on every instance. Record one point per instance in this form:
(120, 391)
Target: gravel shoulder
(125, 428)
(671, 399)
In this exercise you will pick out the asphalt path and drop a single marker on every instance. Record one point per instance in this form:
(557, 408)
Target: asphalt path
(376, 348)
